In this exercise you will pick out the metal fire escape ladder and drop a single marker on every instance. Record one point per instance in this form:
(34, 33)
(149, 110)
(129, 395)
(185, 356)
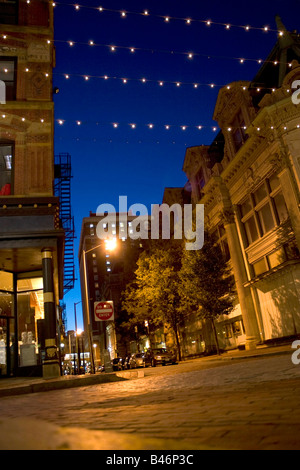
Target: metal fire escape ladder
(62, 189)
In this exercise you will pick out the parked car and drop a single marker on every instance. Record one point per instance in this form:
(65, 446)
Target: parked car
(126, 362)
(136, 360)
(117, 363)
(156, 356)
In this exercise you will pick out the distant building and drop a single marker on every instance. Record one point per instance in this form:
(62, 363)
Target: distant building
(104, 271)
(31, 233)
(249, 182)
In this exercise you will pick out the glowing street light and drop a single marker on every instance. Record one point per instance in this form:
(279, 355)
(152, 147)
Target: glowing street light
(110, 245)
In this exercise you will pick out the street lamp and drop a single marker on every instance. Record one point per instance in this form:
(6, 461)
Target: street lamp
(110, 245)
(78, 335)
(76, 339)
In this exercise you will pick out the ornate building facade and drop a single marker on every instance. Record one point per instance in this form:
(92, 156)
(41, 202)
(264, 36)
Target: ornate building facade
(248, 180)
(31, 237)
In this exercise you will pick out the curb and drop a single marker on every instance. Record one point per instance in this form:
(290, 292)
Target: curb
(69, 382)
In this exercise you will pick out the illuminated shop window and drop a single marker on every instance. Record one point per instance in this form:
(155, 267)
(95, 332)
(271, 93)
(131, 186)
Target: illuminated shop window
(6, 169)
(31, 315)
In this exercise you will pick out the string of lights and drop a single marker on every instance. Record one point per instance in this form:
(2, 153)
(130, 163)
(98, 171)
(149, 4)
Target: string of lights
(161, 83)
(187, 54)
(145, 80)
(167, 127)
(167, 18)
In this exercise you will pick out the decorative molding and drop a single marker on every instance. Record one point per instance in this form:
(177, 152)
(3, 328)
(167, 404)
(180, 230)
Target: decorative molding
(227, 217)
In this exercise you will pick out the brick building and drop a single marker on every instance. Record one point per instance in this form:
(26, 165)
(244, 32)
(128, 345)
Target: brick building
(31, 237)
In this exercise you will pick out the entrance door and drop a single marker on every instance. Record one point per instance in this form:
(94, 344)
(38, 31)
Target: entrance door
(6, 346)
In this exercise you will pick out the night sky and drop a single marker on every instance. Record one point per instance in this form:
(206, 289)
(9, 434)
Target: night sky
(108, 161)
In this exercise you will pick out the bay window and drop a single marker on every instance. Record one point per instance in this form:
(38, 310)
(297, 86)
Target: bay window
(263, 210)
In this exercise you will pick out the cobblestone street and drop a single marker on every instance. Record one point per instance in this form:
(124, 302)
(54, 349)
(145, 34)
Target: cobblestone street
(200, 404)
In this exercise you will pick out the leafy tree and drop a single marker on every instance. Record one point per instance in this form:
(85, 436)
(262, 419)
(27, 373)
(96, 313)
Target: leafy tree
(206, 284)
(154, 295)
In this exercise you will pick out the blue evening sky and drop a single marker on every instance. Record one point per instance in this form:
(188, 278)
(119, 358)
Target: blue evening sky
(109, 162)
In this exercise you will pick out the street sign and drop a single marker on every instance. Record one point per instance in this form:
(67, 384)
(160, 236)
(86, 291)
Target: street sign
(104, 311)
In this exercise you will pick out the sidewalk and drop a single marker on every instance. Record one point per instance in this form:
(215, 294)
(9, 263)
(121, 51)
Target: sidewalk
(26, 385)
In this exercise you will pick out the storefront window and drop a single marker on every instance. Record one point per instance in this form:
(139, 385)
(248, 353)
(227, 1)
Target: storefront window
(6, 281)
(237, 328)
(30, 284)
(30, 313)
(6, 167)
(6, 346)
(6, 333)
(5, 304)
(227, 331)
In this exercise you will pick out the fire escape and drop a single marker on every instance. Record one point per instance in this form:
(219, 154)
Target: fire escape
(62, 189)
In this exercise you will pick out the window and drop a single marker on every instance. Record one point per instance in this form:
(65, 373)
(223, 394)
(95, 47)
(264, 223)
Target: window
(238, 328)
(263, 210)
(31, 315)
(8, 67)
(200, 182)
(219, 235)
(251, 230)
(92, 230)
(260, 267)
(239, 135)
(6, 167)
(6, 281)
(271, 260)
(8, 11)
(227, 331)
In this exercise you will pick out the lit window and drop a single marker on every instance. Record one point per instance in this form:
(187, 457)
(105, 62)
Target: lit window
(6, 164)
(8, 76)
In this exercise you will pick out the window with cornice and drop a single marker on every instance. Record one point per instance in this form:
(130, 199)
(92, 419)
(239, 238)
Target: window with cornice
(263, 210)
(239, 135)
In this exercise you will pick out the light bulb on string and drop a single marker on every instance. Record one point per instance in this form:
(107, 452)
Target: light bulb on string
(123, 14)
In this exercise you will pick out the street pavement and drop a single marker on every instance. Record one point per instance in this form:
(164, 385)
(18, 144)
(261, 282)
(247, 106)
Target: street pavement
(241, 401)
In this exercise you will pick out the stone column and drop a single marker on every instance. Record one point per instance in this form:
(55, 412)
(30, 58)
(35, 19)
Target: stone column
(240, 275)
(51, 367)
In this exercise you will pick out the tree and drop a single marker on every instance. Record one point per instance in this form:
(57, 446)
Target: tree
(206, 284)
(154, 295)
